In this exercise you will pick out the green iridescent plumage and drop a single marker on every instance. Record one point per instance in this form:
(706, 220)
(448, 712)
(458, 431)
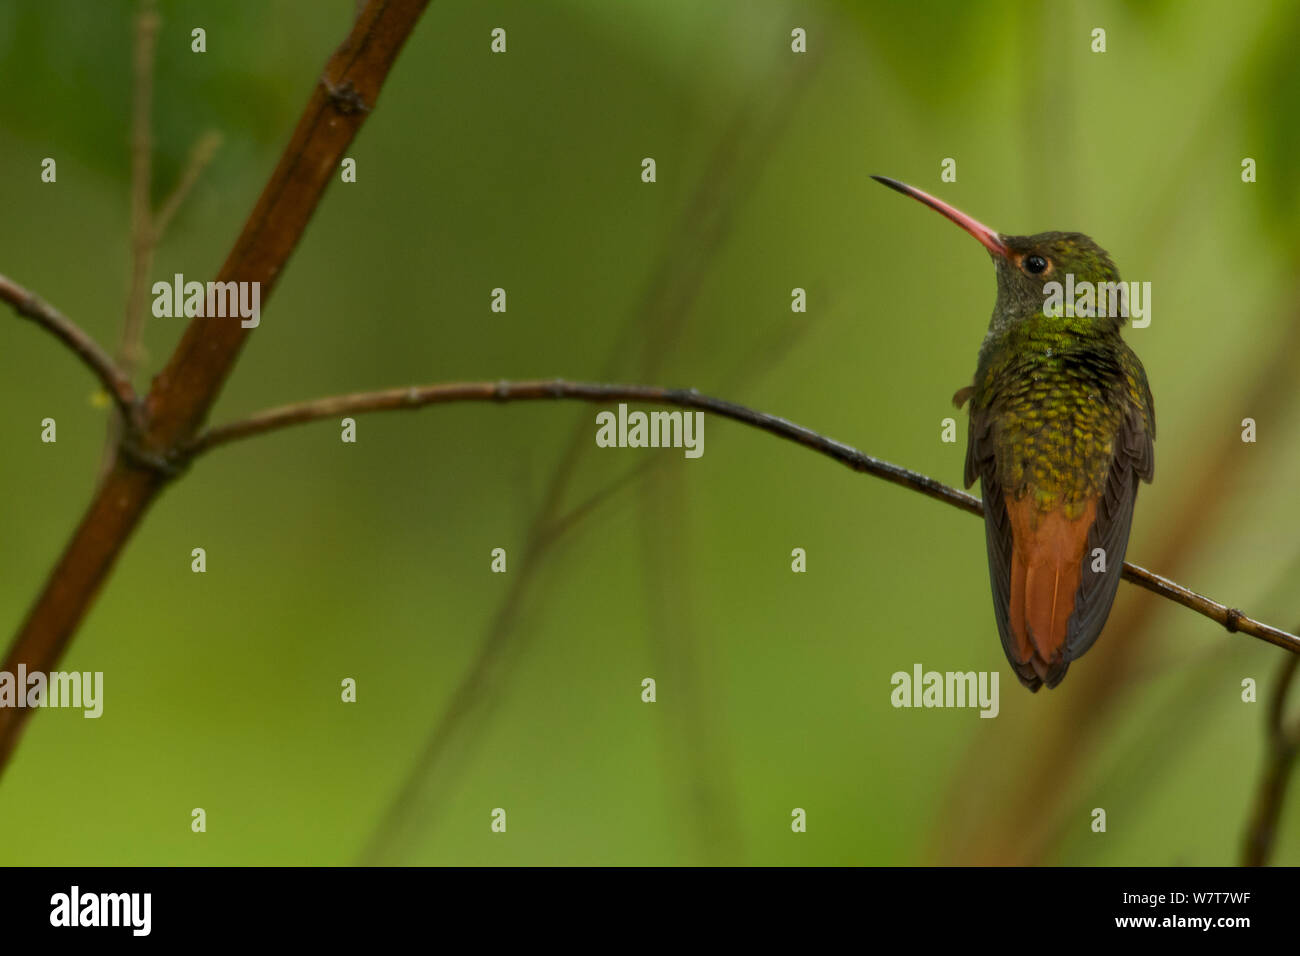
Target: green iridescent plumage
(1057, 390)
(1058, 401)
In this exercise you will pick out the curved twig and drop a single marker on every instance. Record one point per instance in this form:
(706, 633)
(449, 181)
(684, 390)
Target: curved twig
(31, 306)
(396, 399)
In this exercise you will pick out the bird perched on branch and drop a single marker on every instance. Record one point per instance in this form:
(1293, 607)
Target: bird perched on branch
(1061, 432)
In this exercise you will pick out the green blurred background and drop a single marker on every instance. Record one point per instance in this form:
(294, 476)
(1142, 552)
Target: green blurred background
(522, 691)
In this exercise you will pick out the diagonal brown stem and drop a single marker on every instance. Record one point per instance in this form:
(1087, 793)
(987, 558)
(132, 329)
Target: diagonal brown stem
(184, 391)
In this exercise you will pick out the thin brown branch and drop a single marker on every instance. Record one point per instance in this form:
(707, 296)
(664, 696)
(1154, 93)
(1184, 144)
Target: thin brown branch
(398, 399)
(1282, 746)
(31, 306)
(148, 228)
(185, 389)
(142, 241)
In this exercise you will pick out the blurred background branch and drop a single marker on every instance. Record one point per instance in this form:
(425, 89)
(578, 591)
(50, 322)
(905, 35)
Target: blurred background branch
(1282, 742)
(147, 229)
(683, 259)
(142, 230)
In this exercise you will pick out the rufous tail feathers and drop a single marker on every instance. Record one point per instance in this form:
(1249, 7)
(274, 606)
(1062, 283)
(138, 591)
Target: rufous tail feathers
(1047, 556)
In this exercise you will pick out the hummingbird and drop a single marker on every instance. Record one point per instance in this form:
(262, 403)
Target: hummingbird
(1062, 428)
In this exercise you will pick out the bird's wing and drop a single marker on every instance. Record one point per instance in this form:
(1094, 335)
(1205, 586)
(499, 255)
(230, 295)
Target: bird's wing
(1133, 461)
(981, 463)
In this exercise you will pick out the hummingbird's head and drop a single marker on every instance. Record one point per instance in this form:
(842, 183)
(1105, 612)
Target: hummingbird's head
(1025, 264)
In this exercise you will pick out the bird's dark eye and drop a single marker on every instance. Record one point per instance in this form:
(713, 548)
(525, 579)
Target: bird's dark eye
(1035, 264)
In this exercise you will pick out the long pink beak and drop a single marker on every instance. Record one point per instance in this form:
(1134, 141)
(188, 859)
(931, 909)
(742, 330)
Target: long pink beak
(987, 237)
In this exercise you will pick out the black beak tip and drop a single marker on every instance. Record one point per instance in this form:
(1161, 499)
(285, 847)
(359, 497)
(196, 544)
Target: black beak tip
(891, 183)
